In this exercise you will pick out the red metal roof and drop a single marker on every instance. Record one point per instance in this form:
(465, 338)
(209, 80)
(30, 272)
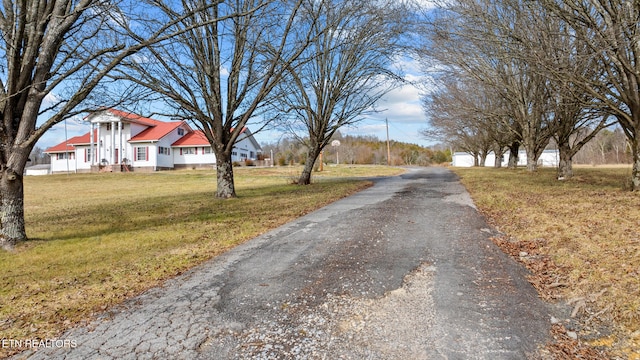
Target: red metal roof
(133, 117)
(66, 146)
(70, 144)
(194, 138)
(156, 131)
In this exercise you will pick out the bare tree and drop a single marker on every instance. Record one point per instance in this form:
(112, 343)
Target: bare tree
(60, 51)
(346, 70)
(38, 156)
(612, 32)
(489, 41)
(607, 146)
(565, 59)
(221, 75)
(620, 146)
(466, 116)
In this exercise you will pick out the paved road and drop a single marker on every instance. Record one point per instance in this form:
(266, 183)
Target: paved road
(403, 269)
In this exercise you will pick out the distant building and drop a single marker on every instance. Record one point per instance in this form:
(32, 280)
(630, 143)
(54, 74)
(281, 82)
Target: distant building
(40, 169)
(120, 141)
(549, 158)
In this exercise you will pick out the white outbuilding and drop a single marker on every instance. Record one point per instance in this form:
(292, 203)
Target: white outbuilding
(549, 158)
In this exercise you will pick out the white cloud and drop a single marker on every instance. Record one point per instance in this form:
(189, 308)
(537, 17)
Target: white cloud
(426, 4)
(401, 105)
(366, 129)
(75, 126)
(51, 99)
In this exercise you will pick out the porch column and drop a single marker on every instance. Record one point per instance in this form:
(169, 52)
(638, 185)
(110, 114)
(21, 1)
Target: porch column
(120, 147)
(113, 143)
(98, 145)
(91, 144)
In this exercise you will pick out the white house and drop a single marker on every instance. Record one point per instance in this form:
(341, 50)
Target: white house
(549, 158)
(120, 141)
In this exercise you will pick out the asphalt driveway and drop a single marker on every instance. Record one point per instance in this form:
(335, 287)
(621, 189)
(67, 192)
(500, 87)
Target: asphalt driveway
(402, 270)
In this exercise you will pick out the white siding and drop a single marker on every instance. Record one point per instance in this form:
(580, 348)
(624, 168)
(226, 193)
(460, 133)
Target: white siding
(461, 159)
(38, 170)
(182, 157)
(150, 158)
(549, 158)
(244, 149)
(164, 160)
(62, 165)
(83, 161)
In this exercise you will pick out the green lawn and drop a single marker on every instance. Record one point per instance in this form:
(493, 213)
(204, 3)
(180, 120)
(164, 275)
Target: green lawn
(97, 239)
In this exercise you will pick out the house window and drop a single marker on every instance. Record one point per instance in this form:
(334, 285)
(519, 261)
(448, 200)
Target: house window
(141, 153)
(87, 157)
(63, 156)
(164, 150)
(189, 151)
(180, 131)
(243, 155)
(206, 150)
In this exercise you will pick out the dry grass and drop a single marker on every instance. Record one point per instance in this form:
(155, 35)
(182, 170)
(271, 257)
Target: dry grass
(97, 239)
(589, 229)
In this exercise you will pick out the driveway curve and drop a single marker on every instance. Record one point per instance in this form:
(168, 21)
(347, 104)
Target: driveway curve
(404, 269)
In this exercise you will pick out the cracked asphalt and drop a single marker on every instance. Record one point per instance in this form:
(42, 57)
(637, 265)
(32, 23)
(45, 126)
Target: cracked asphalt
(403, 269)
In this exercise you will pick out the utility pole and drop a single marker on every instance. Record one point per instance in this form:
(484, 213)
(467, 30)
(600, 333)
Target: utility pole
(388, 147)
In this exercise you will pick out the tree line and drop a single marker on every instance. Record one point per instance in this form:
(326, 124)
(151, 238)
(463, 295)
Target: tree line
(362, 150)
(514, 74)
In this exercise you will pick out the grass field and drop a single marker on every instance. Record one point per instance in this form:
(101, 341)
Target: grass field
(581, 239)
(97, 239)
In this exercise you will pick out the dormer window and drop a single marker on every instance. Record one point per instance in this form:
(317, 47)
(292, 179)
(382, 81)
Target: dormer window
(180, 131)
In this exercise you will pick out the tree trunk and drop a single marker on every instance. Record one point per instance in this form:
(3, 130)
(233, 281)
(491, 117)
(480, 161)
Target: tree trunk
(224, 173)
(483, 158)
(635, 173)
(532, 163)
(514, 148)
(532, 158)
(11, 209)
(565, 166)
(497, 162)
(312, 155)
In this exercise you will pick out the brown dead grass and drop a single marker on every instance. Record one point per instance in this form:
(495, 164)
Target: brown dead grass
(581, 239)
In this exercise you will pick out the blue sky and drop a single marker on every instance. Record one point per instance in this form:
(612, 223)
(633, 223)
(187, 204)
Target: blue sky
(402, 107)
